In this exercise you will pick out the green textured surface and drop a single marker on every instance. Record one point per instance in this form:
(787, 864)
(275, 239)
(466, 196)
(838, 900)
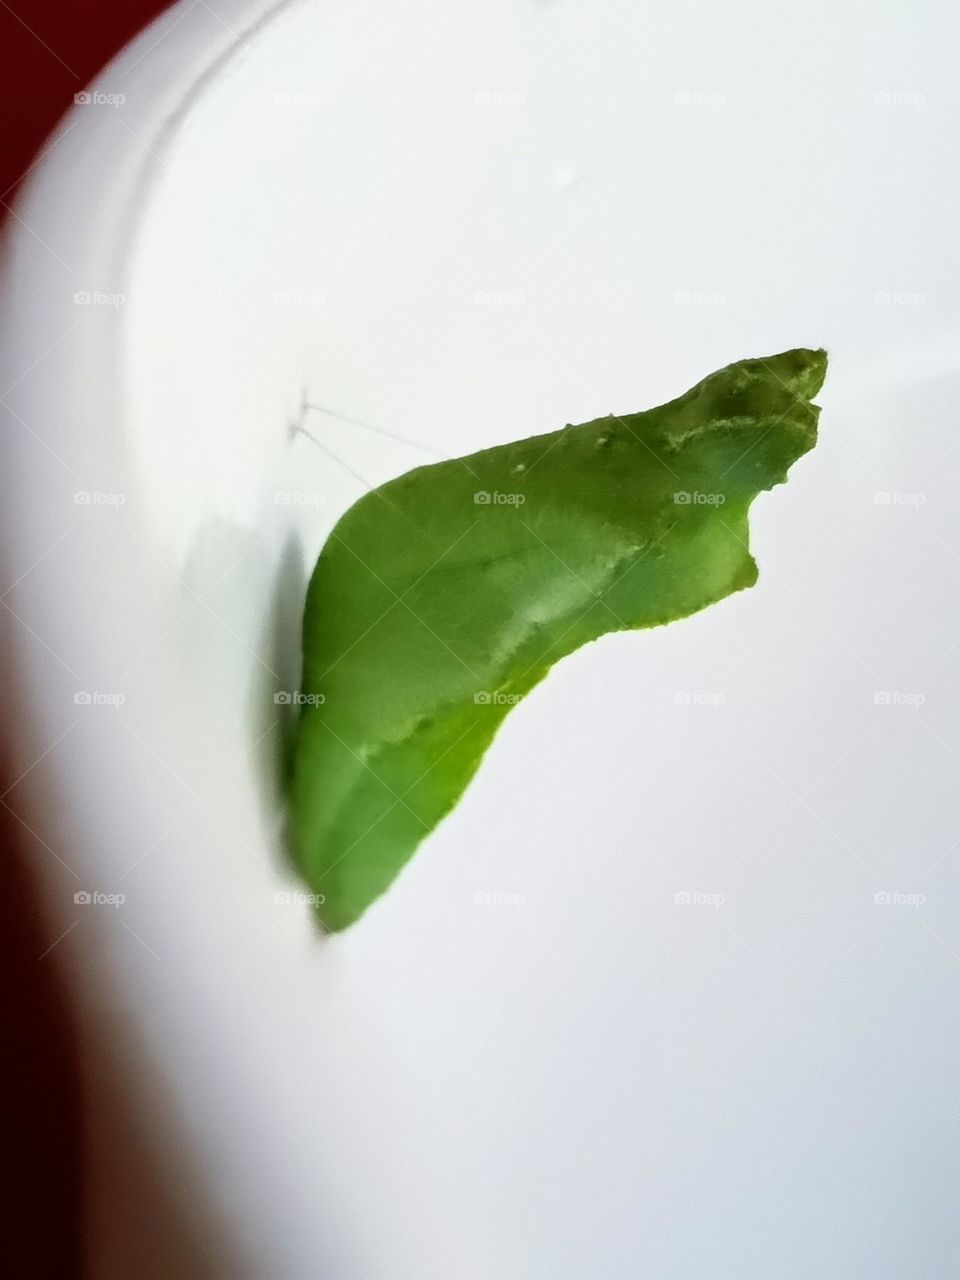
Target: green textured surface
(430, 613)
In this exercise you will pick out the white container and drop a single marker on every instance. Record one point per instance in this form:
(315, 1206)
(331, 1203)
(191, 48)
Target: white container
(671, 993)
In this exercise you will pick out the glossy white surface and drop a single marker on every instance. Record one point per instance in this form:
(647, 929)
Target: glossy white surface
(534, 1058)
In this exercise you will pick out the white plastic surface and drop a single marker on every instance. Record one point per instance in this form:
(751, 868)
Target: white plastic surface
(672, 992)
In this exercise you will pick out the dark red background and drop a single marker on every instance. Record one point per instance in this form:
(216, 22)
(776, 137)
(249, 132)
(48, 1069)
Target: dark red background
(48, 52)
